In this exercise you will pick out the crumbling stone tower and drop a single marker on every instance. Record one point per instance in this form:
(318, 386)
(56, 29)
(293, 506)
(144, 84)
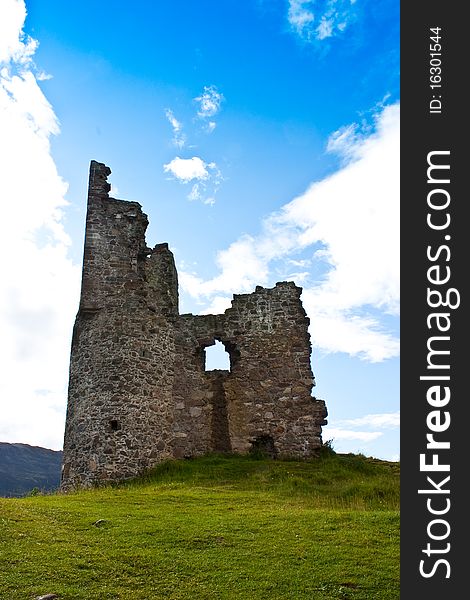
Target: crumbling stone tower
(138, 389)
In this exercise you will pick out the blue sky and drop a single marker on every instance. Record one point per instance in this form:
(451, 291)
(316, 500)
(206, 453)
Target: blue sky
(261, 138)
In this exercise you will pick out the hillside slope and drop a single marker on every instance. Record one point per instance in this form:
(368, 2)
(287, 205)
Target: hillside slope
(213, 528)
(24, 467)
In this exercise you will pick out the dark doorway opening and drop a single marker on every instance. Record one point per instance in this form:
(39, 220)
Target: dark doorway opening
(263, 446)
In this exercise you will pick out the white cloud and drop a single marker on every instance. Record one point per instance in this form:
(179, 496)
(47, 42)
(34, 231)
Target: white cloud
(209, 102)
(350, 220)
(342, 331)
(210, 201)
(43, 76)
(303, 263)
(172, 119)
(218, 305)
(240, 269)
(299, 277)
(15, 46)
(314, 20)
(179, 138)
(300, 16)
(207, 176)
(345, 141)
(325, 29)
(195, 193)
(384, 420)
(40, 285)
(343, 431)
(187, 169)
(349, 434)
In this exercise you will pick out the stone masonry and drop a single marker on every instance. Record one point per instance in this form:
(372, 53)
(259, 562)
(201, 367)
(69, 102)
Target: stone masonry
(138, 390)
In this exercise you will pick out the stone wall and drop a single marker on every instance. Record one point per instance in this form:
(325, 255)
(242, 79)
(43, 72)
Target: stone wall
(138, 388)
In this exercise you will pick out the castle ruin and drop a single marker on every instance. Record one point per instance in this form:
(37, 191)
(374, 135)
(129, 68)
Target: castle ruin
(138, 389)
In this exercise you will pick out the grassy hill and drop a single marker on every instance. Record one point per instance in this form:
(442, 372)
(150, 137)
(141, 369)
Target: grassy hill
(212, 528)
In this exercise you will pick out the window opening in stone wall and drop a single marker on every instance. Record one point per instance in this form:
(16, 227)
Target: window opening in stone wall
(217, 357)
(115, 425)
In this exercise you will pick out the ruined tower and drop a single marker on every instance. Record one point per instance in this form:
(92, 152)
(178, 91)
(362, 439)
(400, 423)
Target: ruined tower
(138, 388)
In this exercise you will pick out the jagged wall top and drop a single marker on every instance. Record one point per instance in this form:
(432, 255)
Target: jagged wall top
(98, 186)
(118, 267)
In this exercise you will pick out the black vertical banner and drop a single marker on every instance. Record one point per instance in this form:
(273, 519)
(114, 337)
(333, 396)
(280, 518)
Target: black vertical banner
(435, 238)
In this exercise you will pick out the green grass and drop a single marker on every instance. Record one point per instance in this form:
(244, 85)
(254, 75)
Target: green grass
(212, 528)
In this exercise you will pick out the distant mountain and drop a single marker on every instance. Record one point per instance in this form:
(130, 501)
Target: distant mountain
(24, 467)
